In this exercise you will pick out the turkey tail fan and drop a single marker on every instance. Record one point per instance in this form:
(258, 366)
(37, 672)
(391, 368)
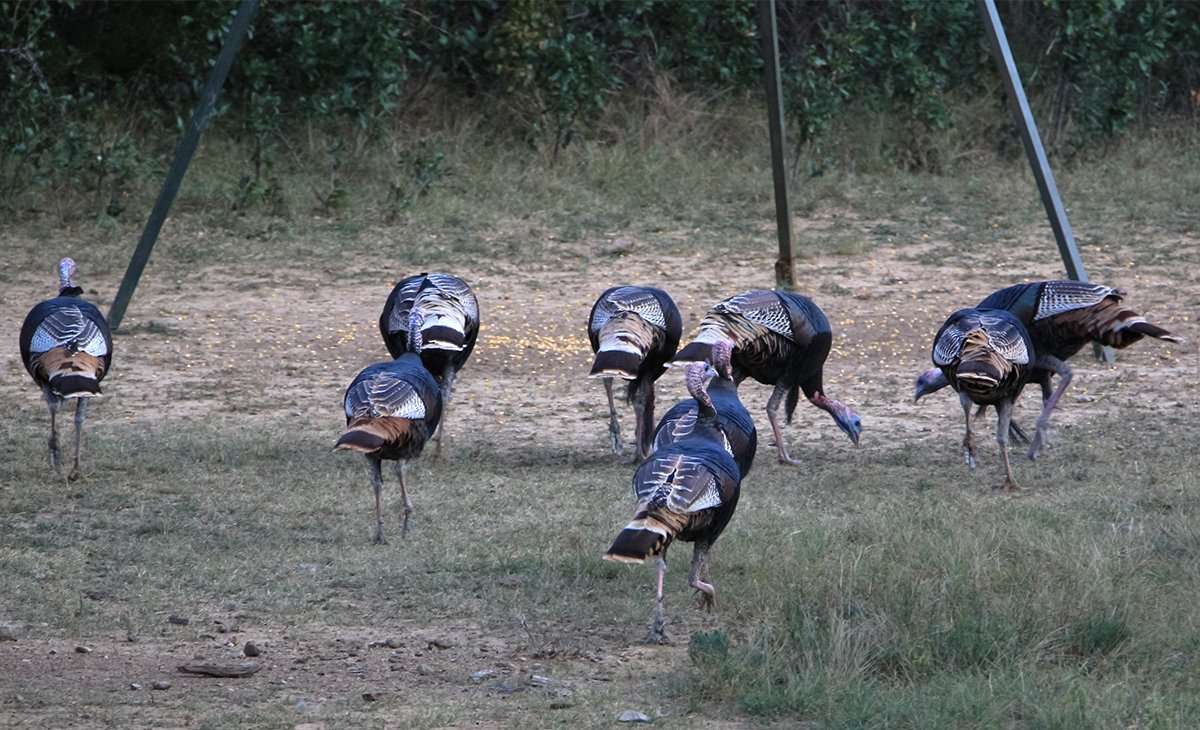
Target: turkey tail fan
(371, 435)
(442, 337)
(981, 368)
(648, 534)
(71, 374)
(1155, 331)
(623, 341)
(695, 352)
(616, 364)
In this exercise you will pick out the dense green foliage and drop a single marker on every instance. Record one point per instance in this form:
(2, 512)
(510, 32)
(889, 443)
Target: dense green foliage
(548, 72)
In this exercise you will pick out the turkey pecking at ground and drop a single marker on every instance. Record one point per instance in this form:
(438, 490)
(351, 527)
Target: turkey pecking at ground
(67, 348)
(392, 408)
(634, 331)
(779, 339)
(687, 490)
(741, 438)
(436, 316)
(1061, 318)
(987, 356)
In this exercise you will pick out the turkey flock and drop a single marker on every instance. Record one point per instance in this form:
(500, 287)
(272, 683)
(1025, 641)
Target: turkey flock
(691, 463)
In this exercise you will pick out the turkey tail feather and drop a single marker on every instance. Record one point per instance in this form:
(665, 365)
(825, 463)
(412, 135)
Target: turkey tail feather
(1150, 330)
(624, 341)
(370, 435)
(70, 374)
(616, 364)
(648, 534)
(695, 352)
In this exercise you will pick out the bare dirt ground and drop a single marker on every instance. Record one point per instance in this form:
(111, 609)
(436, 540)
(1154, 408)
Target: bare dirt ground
(229, 343)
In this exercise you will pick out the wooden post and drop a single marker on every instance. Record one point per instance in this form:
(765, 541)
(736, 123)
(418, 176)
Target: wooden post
(184, 150)
(1036, 153)
(785, 266)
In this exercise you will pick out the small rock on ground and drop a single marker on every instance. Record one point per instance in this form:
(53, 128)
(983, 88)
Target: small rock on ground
(372, 696)
(633, 716)
(178, 620)
(134, 686)
(82, 650)
(251, 649)
(482, 674)
(160, 685)
(441, 642)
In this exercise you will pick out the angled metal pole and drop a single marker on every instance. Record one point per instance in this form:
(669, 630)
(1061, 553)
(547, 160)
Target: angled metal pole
(785, 266)
(1035, 152)
(184, 150)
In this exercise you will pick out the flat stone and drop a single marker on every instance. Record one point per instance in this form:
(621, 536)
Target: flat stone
(441, 642)
(134, 686)
(83, 650)
(633, 716)
(161, 685)
(482, 674)
(178, 620)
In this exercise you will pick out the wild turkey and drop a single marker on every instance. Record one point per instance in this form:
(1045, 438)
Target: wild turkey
(436, 316)
(741, 438)
(67, 348)
(392, 408)
(780, 339)
(687, 490)
(1061, 317)
(987, 356)
(634, 331)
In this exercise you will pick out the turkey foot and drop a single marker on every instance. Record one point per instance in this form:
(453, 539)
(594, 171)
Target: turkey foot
(1009, 486)
(706, 595)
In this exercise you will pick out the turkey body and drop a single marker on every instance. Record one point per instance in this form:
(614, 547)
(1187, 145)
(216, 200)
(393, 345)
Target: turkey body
(634, 332)
(67, 348)
(987, 356)
(435, 315)
(776, 338)
(686, 490)
(392, 409)
(1061, 317)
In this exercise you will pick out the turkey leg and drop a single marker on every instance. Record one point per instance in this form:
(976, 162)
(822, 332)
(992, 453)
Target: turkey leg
(646, 413)
(614, 424)
(968, 440)
(447, 389)
(658, 626)
(53, 401)
(1004, 415)
(705, 591)
(408, 508)
(80, 414)
(373, 469)
(1041, 436)
(773, 404)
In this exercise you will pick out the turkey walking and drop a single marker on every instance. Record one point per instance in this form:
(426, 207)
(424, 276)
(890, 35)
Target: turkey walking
(634, 331)
(1061, 317)
(741, 438)
(67, 348)
(436, 316)
(686, 490)
(392, 408)
(987, 356)
(780, 339)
